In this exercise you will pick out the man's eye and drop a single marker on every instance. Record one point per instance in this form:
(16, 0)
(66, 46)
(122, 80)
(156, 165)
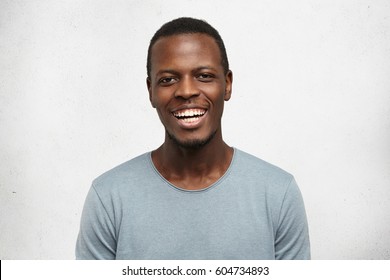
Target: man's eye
(167, 80)
(205, 77)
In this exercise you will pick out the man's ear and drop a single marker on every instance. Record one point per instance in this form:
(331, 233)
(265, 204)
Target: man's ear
(229, 84)
(149, 86)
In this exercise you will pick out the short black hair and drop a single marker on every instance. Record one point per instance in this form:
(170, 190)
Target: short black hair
(187, 25)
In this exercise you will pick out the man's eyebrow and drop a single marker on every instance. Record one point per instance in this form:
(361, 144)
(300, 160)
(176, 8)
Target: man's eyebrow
(177, 73)
(204, 68)
(167, 71)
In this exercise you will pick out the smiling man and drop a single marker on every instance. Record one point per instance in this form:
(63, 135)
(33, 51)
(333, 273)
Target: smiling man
(194, 197)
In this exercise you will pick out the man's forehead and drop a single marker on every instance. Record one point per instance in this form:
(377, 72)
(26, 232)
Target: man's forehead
(183, 38)
(185, 51)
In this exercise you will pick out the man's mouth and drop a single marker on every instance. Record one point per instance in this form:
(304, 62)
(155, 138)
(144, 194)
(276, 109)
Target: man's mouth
(189, 115)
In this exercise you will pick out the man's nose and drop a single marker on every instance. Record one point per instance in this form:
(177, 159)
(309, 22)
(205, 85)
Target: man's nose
(187, 88)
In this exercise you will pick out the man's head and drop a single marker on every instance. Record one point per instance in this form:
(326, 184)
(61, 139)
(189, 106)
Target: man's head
(186, 25)
(188, 83)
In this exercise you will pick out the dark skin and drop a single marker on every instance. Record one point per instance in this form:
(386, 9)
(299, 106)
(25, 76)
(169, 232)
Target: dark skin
(188, 87)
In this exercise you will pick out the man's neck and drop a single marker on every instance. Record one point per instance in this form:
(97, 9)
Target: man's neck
(193, 168)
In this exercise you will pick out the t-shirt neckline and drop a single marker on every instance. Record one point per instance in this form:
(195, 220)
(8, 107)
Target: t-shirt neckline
(212, 186)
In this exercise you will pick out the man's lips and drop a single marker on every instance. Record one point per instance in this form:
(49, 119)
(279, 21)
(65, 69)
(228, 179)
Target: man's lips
(189, 117)
(189, 113)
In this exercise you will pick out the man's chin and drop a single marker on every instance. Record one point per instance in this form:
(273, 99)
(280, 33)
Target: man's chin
(192, 144)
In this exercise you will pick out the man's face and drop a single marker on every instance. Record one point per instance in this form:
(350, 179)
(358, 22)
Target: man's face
(188, 87)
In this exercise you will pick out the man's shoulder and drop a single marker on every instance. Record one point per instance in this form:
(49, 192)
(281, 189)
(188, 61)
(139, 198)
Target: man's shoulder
(130, 170)
(254, 166)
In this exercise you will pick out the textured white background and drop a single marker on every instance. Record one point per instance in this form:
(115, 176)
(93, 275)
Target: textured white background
(311, 94)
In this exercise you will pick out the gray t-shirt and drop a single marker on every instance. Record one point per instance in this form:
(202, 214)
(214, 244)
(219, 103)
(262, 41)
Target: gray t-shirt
(254, 211)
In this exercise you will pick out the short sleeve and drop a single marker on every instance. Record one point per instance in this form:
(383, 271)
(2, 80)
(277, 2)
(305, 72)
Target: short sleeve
(96, 239)
(292, 236)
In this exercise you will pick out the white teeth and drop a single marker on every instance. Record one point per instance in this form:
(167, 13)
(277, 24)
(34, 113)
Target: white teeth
(190, 120)
(188, 113)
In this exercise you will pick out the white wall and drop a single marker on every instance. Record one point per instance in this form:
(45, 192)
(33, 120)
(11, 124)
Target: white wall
(311, 94)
